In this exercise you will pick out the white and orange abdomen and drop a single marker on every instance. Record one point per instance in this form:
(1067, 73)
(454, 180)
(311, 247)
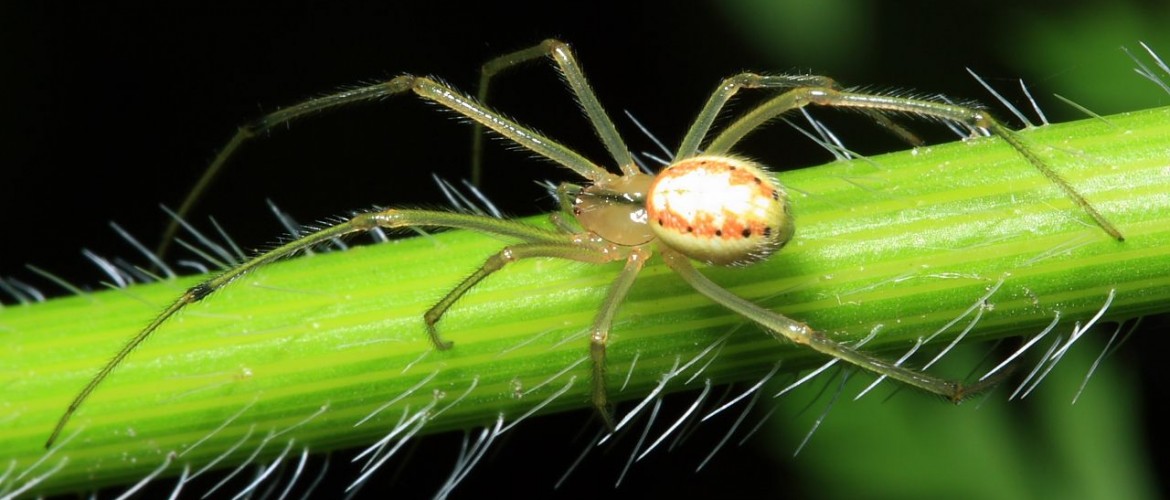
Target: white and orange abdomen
(720, 210)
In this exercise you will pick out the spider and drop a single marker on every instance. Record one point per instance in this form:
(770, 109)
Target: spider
(707, 205)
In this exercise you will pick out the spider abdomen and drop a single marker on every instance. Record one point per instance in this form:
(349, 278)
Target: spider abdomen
(719, 210)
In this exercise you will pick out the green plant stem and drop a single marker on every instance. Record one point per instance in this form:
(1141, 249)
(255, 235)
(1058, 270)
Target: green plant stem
(300, 351)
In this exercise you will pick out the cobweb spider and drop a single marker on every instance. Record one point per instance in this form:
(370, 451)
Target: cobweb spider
(707, 205)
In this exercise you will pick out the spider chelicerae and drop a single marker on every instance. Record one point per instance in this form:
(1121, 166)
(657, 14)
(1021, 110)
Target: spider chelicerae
(707, 205)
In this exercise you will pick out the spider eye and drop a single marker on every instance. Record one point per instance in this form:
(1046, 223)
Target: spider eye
(720, 210)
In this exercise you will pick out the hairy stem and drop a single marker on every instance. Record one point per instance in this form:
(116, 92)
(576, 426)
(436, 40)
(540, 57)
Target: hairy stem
(303, 350)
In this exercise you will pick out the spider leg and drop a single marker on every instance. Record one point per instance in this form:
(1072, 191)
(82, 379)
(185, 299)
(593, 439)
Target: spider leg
(783, 327)
(390, 218)
(599, 333)
(588, 252)
(426, 88)
(973, 118)
(562, 55)
(730, 86)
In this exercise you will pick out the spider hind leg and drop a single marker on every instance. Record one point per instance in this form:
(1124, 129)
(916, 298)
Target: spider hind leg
(783, 327)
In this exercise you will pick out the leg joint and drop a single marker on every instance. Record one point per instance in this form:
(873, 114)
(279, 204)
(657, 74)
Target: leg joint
(556, 47)
(370, 220)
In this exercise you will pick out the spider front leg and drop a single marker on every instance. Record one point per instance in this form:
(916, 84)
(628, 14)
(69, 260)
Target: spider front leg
(578, 248)
(431, 90)
(599, 332)
(391, 219)
(272, 121)
(783, 327)
(583, 247)
(562, 55)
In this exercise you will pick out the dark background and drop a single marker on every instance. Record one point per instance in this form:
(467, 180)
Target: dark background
(109, 111)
